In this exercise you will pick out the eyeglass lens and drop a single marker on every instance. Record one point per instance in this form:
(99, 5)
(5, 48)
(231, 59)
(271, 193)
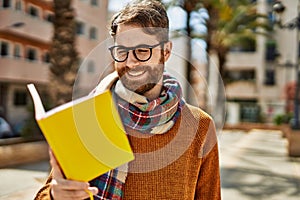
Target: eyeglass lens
(142, 52)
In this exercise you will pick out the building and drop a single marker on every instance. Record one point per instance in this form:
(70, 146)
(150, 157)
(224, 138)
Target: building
(25, 38)
(255, 92)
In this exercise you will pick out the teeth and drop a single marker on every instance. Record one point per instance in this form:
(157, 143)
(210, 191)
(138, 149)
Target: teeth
(135, 73)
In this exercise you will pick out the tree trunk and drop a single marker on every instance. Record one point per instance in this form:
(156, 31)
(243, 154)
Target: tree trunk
(63, 55)
(219, 102)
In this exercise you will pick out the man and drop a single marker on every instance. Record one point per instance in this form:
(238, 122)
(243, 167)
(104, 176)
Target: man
(175, 144)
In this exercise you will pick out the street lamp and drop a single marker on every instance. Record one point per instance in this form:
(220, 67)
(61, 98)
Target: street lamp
(278, 9)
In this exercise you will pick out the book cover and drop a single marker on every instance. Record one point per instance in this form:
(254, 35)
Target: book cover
(86, 135)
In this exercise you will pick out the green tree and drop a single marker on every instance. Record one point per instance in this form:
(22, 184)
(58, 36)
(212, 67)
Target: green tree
(234, 22)
(63, 55)
(230, 22)
(192, 75)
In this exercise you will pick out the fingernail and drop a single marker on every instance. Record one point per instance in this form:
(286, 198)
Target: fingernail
(94, 190)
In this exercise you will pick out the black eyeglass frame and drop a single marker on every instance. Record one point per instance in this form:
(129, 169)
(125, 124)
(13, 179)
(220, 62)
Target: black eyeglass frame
(150, 47)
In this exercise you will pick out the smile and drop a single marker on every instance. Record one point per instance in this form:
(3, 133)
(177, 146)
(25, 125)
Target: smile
(135, 73)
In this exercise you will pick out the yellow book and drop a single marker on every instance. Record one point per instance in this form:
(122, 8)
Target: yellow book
(86, 135)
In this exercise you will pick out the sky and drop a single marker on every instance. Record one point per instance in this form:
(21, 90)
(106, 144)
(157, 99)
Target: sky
(177, 19)
(176, 15)
(115, 5)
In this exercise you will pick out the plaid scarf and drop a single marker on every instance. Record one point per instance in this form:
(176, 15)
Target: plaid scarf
(154, 117)
(110, 185)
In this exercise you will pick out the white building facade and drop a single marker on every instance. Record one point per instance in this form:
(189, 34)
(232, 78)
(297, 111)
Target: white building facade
(258, 78)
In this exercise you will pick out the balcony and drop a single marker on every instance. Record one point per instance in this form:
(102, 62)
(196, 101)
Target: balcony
(16, 70)
(42, 33)
(243, 60)
(243, 89)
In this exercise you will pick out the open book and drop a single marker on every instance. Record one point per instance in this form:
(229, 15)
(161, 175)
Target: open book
(86, 135)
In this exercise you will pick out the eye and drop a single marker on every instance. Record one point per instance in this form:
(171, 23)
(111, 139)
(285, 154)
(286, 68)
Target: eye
(142, 50)
(121, 50)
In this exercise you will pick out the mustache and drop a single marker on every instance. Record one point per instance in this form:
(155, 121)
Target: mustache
(137, 68)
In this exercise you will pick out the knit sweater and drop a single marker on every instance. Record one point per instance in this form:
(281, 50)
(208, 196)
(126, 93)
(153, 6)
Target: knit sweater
(181, 164)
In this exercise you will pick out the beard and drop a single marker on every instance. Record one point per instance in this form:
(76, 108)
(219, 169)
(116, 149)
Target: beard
(153, 76)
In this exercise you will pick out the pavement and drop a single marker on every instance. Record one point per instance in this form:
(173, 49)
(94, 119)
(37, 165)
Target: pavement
(254, 166)
(23, 181)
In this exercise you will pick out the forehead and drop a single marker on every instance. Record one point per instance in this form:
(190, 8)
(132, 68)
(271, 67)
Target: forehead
(133, 35)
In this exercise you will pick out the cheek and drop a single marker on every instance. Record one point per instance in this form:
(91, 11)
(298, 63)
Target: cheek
(118, 66)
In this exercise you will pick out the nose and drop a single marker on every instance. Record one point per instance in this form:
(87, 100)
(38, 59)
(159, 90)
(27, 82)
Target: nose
(131, 60)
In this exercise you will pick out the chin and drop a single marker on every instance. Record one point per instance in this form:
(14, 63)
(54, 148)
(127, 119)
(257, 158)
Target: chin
(145, 88)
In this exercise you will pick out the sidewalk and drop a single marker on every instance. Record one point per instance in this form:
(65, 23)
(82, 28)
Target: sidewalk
(254, 166)
(22, 182)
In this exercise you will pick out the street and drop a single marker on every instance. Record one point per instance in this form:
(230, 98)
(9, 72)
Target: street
(254, 166)
(22, 182)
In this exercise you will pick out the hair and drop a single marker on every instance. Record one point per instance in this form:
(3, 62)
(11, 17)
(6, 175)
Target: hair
(151, 15)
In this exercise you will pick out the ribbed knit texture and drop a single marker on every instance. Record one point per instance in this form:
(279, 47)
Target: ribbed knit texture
(181, 164)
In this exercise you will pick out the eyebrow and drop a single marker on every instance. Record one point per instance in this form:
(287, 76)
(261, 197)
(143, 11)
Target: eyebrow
(140, 45)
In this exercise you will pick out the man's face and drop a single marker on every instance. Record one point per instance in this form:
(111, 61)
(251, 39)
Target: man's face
(135, 73)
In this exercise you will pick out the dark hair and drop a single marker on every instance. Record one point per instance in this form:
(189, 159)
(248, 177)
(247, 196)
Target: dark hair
(151, 15)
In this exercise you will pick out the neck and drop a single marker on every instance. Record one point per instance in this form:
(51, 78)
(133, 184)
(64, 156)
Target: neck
(154, 92)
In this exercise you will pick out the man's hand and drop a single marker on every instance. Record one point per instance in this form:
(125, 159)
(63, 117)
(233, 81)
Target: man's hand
(61, 188)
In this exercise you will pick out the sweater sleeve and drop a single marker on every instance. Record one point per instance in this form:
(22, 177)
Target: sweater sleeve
(44, 192)
(208, 184)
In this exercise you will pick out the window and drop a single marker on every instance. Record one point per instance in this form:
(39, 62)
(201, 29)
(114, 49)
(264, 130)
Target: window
(31, 54)
(33, 11)
(49, 18)
(4, 49)
(20, 98)
(91, 67)
(250, 113)
(80, 28)
(271, 50)
(250, 110)
(245, 75)
(46, 57)
(6, 3)
(17, 51)
(93, 33)
(94, 2)
(18, 5)
(270, 77)
(243, 44)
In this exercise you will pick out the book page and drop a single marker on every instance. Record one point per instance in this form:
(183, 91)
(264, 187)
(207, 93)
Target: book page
(38, 106)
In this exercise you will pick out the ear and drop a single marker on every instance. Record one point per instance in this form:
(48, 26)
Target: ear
(167, 50)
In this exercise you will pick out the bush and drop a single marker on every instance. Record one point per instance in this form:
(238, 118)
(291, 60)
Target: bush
(282, 118)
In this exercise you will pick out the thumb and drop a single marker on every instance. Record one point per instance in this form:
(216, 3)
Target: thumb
(57, 172)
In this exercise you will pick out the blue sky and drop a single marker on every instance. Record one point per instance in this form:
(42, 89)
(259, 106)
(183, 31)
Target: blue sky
(177, 21)
(115, 5)
(176, 15)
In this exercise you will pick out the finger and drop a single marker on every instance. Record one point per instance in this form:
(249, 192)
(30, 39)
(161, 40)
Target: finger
(57, 173)
(70, 194)
(65, 184)
(93, 190)
(74, 194)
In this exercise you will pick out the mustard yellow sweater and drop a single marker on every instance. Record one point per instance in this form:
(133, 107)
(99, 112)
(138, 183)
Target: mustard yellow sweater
(181, 164)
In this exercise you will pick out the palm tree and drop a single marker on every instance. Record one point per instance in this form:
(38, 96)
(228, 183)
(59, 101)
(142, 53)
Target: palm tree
(63, 55)
(230, 22)
(236, 22)
(193, 76)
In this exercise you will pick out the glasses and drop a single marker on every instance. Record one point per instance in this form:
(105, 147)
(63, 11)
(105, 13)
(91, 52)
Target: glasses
(141, 52)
